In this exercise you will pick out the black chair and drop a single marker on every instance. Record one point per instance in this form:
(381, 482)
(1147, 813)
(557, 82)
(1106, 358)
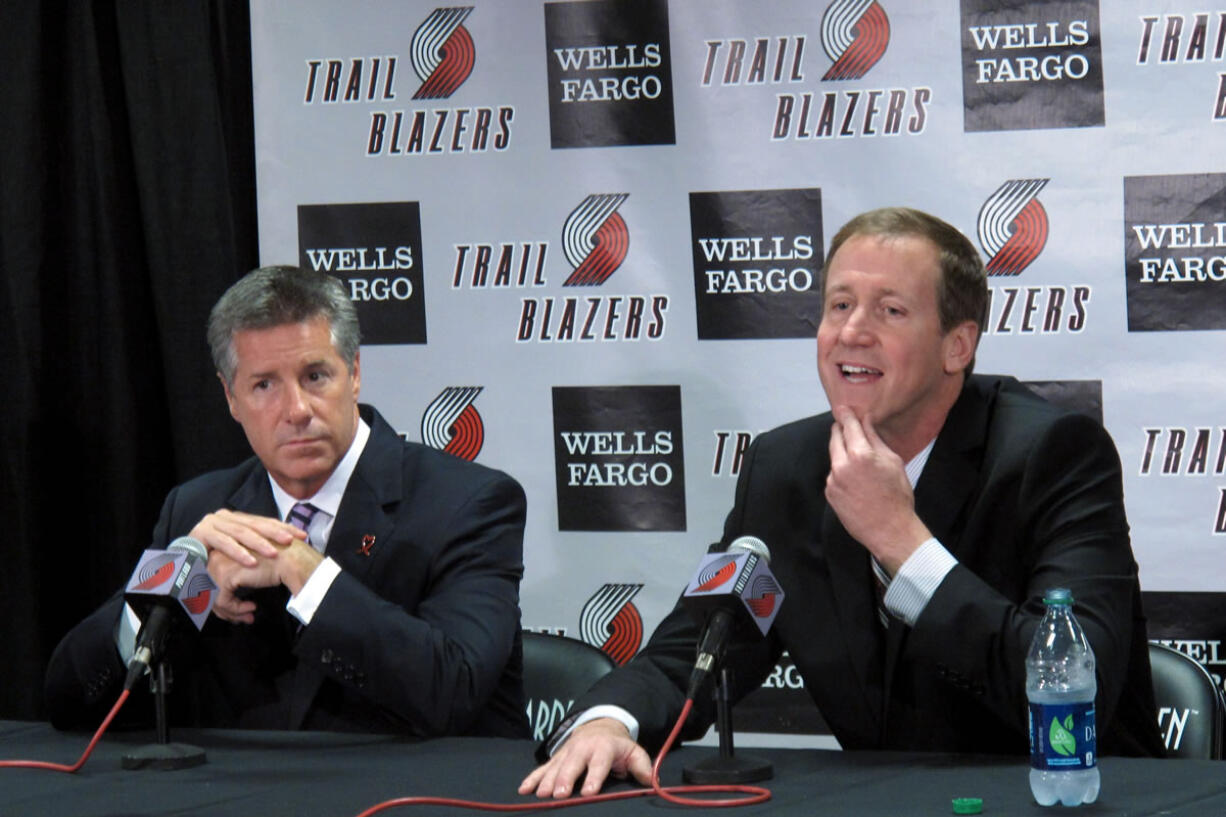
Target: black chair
(1190, 705)
(557, 670)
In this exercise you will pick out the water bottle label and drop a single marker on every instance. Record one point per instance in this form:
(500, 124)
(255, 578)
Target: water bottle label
(1062, 736)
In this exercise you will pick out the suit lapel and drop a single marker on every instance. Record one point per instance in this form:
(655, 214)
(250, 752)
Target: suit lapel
(364, 520)
(949, 479)
(367, 513)
(855, 606)
(952, 472)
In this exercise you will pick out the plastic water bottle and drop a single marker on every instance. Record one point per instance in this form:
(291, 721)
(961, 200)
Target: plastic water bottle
(1060, 686)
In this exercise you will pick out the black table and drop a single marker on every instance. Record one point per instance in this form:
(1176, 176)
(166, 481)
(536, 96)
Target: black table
(331, 775)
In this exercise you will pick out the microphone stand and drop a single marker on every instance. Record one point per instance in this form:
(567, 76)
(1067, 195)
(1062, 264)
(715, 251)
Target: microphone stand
(727, 767)
(163, 755)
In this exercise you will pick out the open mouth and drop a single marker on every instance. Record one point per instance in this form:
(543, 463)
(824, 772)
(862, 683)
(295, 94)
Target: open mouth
(858, 374)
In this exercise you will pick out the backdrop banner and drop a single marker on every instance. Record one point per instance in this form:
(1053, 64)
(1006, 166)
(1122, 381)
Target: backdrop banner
(584, 239)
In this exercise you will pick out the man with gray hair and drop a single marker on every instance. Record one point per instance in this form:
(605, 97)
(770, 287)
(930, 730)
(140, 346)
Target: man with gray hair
(365, 583)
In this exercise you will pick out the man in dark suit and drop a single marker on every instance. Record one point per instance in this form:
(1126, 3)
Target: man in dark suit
(968, 495)
(389, 599)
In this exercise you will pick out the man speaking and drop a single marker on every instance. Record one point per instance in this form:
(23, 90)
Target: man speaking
(365, 583)
(913, 530)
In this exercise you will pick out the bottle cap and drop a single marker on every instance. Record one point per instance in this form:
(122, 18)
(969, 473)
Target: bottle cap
(968, 805)
(1058, 595)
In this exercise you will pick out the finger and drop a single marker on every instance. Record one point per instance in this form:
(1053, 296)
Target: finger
(597, 772)
(639, 765)
(853, 430)
(275, 530)
(530, 782)
(870, 433)
(548, 786)
(838, 447)
(567, 772)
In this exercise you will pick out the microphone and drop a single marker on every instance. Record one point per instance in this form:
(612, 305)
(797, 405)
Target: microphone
(731, 591)
(166, 586)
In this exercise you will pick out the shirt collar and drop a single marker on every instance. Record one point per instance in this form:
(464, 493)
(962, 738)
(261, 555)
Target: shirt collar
(916, 466)
(328, 497)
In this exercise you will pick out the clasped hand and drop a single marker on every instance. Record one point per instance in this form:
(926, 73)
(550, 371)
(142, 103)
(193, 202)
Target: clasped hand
(249, 551)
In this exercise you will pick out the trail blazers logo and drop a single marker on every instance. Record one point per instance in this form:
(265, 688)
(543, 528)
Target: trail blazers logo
(715, 574)
(442, 53)
(451, 423)
(610, 621)
(610, 73)
(197, 593)
(1013, 226)
(595, 240)
(156, 572)
(855, 34)
(1031, 65)
(1175, 252)
(763, 594)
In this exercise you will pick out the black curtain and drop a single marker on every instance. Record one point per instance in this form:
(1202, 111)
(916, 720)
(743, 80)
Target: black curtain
(127, 204)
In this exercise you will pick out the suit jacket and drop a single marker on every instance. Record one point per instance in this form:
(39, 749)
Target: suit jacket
(421, 635)
(1025, 495)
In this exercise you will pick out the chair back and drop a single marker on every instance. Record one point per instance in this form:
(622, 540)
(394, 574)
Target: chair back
(1190, 706)
(557, 670)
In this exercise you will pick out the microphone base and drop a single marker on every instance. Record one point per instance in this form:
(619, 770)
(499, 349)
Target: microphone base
(719, 769)
(164, 757)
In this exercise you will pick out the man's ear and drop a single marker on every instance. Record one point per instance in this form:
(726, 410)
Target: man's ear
(959, 346)
(229, 396)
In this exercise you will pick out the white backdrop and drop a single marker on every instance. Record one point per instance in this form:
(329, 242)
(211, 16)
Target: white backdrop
(1115, 115)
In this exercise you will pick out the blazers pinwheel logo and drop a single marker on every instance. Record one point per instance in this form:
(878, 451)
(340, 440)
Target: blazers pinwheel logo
(451, 424)
(611, 622)
(156, 572)
(197, 593)
(715, 574)
(1013, 226)
(762, 595)
(442, 53)
(855, 34)
(595, 239)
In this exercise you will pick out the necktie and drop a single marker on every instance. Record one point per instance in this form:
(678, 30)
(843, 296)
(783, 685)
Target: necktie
(301, 514)
(881, 581)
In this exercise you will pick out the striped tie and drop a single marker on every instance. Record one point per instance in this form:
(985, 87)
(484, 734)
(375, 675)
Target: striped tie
(301, 514)
(881, 581)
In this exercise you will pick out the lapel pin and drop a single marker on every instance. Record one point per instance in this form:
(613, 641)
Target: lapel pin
(368, 541)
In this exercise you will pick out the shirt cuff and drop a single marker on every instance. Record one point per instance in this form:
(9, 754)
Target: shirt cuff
(304, 605)
(917, 580)
(601, 711)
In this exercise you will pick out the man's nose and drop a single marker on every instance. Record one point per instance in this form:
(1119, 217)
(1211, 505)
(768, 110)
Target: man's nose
(856, 330)
(297, 409)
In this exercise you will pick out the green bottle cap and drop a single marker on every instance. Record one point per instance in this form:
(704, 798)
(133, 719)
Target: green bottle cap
(968, 805)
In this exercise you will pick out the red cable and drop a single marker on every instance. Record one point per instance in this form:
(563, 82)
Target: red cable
(670, 793)
(756, 794)
(60, 767)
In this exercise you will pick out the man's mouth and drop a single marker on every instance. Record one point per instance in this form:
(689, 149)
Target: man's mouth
(858, 374)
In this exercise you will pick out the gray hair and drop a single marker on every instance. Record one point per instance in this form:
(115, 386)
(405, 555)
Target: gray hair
(277, 295)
